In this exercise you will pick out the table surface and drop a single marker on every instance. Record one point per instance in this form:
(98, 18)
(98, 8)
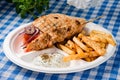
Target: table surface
(110, 70)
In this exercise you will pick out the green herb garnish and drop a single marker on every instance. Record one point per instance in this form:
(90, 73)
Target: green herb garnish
(24, 7)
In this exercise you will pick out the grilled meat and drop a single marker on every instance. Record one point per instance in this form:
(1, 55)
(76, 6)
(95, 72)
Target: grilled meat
(55, 28)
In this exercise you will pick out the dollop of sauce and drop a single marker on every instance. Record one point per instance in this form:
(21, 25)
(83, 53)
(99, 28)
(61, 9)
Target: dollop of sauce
(54, 60)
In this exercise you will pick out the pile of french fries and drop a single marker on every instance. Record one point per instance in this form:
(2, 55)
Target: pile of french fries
(87, 46)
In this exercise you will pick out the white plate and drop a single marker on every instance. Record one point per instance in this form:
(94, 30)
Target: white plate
(14, 52)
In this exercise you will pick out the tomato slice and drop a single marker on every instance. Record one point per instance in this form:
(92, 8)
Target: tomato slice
(28, 38)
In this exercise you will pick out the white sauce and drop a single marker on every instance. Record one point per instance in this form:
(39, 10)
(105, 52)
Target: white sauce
(54, 60)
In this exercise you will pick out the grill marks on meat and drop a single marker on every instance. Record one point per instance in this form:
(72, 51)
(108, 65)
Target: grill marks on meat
(77, 22)
(55, 28)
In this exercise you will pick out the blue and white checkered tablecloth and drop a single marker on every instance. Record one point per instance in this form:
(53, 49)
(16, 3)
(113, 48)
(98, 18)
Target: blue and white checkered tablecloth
(110, 70)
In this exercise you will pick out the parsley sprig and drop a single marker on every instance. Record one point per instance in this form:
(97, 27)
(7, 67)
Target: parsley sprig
(24, 7)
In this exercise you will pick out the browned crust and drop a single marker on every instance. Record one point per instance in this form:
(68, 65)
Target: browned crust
(58, 27)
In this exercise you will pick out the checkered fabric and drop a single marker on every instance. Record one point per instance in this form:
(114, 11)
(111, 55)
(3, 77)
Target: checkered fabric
(110, 70)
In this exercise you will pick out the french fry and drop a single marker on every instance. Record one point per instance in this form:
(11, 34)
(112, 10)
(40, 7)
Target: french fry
(90, 49)
(100, 32)
(94, 45)
(83, 32)
(81, 55)
(80, 35)
(71, 57)
(78, 49)
(68, 58)
(102, 45)
(70, 45)
(74, 57)
(80, 44)
(110, 40)
(98, 38)
(89, 59)
(105, 35)
(66, 49)
(92, 54)
(87, 47)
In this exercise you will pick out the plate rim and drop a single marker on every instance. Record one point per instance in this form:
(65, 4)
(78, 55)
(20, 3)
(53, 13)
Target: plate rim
(10, 56)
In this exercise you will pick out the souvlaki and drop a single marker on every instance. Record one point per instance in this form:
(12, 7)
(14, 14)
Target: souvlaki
(50, 29)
